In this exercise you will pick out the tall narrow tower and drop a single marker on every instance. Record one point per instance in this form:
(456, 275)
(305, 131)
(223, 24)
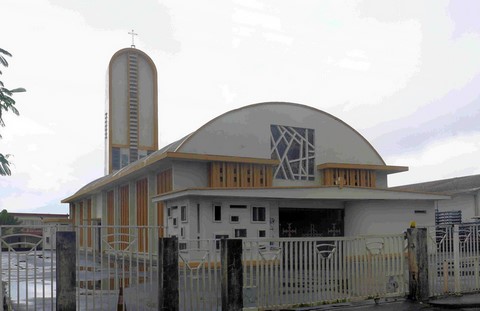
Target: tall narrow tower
(131, 121)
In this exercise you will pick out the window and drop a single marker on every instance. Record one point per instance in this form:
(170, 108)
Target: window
(182, 246)
(175, 223)
(262, 233)
(217, 212)
(237, 206)
(422, 211)
(124, 161)
(182, 232)
(234, 219)
(295, 147)
(240, 233)
(169, 212)
(115, 158)
(183, 213)
(218, 237)
(258, 213)
(48, 240)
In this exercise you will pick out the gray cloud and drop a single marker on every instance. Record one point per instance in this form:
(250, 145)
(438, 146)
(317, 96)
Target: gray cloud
(454, 114)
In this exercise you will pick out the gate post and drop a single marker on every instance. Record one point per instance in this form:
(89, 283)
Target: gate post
(418, 264)
(456, 258)
(66, 270)
(168, 297)
(232, 274)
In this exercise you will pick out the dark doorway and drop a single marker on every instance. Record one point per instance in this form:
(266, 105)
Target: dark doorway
(306, 222)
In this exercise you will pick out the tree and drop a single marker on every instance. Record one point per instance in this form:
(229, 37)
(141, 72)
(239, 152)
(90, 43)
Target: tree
(8, 219)
(7, 103)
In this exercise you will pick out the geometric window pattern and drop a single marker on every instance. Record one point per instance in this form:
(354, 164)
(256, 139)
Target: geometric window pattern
(295, 148)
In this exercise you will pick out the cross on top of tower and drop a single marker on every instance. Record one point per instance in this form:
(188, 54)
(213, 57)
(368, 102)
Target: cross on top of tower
(133, 34)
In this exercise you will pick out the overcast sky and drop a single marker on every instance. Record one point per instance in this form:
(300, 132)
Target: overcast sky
(405, 74)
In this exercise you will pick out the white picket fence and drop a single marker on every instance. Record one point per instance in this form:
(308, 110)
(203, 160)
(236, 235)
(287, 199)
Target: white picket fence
(280, 273)
(454, 259)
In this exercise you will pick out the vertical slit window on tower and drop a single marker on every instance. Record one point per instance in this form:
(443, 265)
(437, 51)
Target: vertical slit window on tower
(115, 158)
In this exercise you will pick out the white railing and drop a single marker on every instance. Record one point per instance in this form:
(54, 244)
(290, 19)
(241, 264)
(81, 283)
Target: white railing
(280, 273)
(454, 252)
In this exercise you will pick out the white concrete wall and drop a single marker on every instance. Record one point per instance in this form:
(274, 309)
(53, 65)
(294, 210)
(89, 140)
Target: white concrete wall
(386, 217)
(119, 100)
(465, 203)
(188, 174)
(246, 133)
(146, 112)
(97, 205)
(382, 181)
(208, 227)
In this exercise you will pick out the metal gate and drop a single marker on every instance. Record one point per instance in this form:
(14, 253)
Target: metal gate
(453, 252)
(28, 267)
(117, 267)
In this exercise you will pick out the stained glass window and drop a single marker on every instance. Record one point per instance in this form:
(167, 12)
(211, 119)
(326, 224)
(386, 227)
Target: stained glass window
(295, 148)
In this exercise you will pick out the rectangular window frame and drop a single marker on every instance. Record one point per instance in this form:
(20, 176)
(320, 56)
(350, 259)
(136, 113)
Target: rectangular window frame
(256, 215)
(218, 237)
(214, 206)
(183, 213)
(264, 233)
(234, 221)
(238, 206)
(237, 231)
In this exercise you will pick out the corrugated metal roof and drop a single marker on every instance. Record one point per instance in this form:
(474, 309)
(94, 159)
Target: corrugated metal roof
(451, 186)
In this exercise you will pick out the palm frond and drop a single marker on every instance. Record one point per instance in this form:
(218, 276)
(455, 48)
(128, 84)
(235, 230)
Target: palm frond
(5, 165)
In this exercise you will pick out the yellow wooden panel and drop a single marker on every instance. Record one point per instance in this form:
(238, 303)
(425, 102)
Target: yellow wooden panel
(110, 214)
(164, 184)
(373, 179)
(269, 176)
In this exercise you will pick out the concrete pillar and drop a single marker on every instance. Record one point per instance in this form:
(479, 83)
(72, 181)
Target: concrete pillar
(418, 264)
(168, 296)
(232, 274)
(476, 208)
(66, 270)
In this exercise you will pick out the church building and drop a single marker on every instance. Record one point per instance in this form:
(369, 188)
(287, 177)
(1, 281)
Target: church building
(273, 169)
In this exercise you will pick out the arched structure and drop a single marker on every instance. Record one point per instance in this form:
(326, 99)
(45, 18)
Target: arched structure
(260, 171)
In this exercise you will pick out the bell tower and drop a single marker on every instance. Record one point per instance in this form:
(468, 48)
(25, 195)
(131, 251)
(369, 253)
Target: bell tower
(131, 121)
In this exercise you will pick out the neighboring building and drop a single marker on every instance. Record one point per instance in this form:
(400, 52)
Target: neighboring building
(131, 117)
(51, 225)
(34, 226)
(266, 170)
(464, 191)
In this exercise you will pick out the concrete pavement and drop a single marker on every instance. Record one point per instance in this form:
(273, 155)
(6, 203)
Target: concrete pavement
(468, 302)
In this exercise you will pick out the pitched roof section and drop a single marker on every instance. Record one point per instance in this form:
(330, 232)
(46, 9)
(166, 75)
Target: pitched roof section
(450, 186)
